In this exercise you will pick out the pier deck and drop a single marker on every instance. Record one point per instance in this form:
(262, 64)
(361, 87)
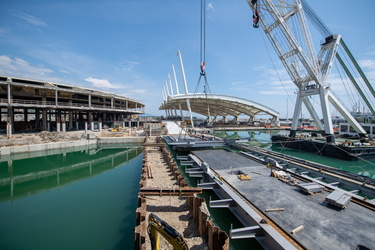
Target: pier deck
(323, 225)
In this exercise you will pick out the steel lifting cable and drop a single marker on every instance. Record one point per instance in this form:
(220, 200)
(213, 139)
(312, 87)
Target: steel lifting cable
(203, 35)
(203, 55)
(274, 67)
(353, 92)
(324, 31)
(348, 88)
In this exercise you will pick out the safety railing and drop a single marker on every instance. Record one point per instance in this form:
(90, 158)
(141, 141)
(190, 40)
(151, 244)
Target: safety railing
(66, 104)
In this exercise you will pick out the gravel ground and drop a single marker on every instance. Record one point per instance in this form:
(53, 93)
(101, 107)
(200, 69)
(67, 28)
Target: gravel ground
(46, 137)
(173, 210)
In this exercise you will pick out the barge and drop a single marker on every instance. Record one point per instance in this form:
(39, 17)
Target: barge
(346, 150)
(276, 213)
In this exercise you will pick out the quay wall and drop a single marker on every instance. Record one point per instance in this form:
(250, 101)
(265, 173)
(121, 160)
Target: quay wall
(68, 144)
(215, 238)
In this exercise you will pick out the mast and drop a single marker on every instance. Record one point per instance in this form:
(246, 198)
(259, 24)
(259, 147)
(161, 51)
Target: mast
(185, 85)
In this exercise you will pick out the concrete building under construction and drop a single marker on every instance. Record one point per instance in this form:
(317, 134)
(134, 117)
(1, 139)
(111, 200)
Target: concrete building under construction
(30, 105)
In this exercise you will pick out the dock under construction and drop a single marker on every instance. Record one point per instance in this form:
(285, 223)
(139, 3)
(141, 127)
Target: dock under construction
(277, 210)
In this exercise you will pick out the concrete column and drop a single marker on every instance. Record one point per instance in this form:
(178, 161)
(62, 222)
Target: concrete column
(26, 114)
(9, 92)
(86, 127)
(70, 119)
(9, 127)
(37, 118)
(10, 118)
(44, 120)
(58, 124)
(63, 124)
(77, 125)
(89, 117)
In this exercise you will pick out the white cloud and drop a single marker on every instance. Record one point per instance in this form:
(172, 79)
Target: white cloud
(3, 32)
(369, 67)
(28, 21)
(236, 83)
(64, 71)
(31, 19)
(21, 68)
(129, 66)
(139, 91)
(100, 83)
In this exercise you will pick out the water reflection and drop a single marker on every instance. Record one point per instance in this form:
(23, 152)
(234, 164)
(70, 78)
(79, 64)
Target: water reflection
(256, 138)
(26, 174)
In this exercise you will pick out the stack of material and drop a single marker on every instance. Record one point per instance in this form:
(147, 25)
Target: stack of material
(310, 188)
(338, 198)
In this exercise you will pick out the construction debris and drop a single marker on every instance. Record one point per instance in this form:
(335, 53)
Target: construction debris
(274, 209)
(297, 229)
(338, 198)
(241, 175)
(310, 188)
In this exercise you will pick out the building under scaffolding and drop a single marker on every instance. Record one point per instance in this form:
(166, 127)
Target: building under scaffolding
(29, 105)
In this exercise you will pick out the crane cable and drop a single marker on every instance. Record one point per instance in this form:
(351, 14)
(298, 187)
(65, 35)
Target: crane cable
(203, 57)
(203, 36)
(274, 67)
(325, 31)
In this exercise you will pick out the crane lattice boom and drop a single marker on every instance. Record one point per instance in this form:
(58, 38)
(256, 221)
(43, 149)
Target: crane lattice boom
(308, 71)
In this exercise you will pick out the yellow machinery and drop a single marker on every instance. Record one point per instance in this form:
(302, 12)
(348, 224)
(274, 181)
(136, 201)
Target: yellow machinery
(241, 175)
(244, 177)
(117, 128)
(157, 226)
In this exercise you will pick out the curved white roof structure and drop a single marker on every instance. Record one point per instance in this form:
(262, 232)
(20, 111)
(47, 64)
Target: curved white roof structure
(219, 105)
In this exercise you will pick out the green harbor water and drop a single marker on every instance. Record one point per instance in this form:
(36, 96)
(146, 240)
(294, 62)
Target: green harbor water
(82, 199)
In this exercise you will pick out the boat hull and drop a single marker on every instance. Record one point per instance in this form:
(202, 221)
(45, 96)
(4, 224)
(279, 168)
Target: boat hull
(326, 149)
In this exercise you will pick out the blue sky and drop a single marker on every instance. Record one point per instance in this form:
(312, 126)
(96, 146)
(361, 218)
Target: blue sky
(127, 47)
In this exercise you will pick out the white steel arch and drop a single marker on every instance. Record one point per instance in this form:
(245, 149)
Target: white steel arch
(220, 105)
